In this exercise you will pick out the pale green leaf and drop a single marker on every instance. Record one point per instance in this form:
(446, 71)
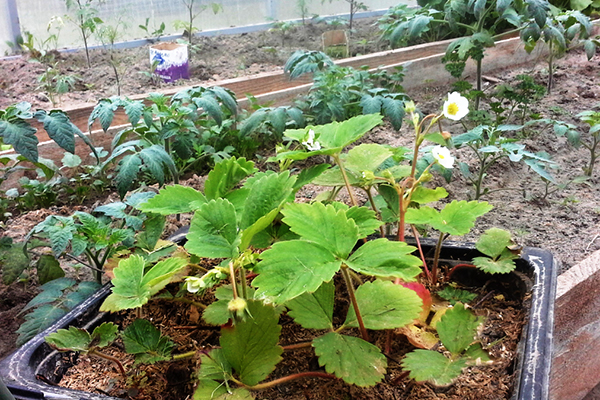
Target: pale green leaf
(350, 358)
(457, 328)
(493, 242)
(213, 231)
(174, 199)
(161, 273)
(366, 157)
(477, 354)
(322, 224)
(266, 194)
(226, 175)
(293, 267)
(428, 365)
(250, 346)
(456, 218)
(74, 339)
(385, 305)
(385, 258)
(500, 266)
(424, 195)
(314, 310)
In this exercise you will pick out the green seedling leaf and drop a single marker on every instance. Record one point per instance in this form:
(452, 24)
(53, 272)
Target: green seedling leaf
(493, 242)
(314, 310)
(77, 339)
(499, 266)
(350, 358)
(266, 194)
(213, 231)
(477, 354)
(385, 258)
(293, 267)
(174, 199)
(324, 225)
(457, 328)
(133, 288)
(454, 295)
(250, 346)
(385, 305)
(456, 218)
(428, 365)
(143, 340)
(48, 269)
(21, 136)
(226, 175)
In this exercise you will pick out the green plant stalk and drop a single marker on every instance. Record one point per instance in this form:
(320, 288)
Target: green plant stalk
(336, 158)
(233, 282)
(416, 235)
(350, 287)
(183, 356)
(244, 282)
(374, 207)
(436, 258)
(593, 154)
(114, 360)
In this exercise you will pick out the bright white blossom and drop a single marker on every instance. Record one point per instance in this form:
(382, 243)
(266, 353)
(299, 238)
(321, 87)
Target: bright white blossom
(193, 284)
(456, 107)
(310, 143)
(443, 156)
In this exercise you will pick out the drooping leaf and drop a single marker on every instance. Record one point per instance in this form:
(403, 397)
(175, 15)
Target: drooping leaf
(133, 109)
(424, 195)
(385, 258)
(59, 128)
(314, 310)
(48, 269)
(293, 267)
(457, 328)
(129, 167)
(153, 229)
(350, 358)
(143, 340)
(104, 334)
(213, 230)
(21, 136)
(385, 305)
(250, 346)
(428, 365)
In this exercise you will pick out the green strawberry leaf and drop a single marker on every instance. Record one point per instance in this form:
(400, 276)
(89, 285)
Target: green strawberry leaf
(428, 365)
(293, 267)
(105, 334)
(226, 175)
(322, 224)
(350, 358)
(365, 219)
(266, 194)
(477, 354)
(493, 242)
(456, 218)
(424, 195)
(174, 199)
(454, 295)
(250, 346)
(500, 266)
(366, 157)
(73, 339)
(457, 328)
(213, 231)
(385, 305)
(143, 340)
(385, 258)
(314, 310)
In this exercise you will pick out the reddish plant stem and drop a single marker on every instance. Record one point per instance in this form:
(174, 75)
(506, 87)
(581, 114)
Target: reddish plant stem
(416, 235)
(112, 359)
(361, 324)
(436, 257)
(288, 378)
(456, 267)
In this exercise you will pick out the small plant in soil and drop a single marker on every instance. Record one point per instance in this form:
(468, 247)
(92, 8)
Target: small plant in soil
(85, 17)
(153, 33)
(592, 118)
(194, 8)
(54, 83)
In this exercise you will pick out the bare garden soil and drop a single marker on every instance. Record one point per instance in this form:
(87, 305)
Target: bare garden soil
(566, 222)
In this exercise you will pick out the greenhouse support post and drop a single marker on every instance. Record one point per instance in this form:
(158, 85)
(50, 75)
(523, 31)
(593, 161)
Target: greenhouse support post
(13, 18)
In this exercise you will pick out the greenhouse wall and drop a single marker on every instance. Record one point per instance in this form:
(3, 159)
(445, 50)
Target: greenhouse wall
(43, 18)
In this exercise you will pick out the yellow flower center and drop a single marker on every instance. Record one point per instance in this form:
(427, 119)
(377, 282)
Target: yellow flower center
(452, 109)
(441, 156)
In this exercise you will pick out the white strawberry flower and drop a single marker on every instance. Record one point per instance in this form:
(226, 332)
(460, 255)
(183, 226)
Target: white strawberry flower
(443, 156)
(456, 107)
(310, 143)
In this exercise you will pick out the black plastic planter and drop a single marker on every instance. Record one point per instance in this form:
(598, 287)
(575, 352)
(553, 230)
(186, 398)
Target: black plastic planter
(30, 371)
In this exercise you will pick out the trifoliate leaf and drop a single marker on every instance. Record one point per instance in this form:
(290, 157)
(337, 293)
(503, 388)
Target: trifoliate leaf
(457, 328)
(428, 365)
(143, 340)
(250, 346)
(314, 310)
(385, 305)
(456, 218)
(174, 199)
(350, 358)
(213, 231)
(293, 267)
(323, 225)
(385, 258)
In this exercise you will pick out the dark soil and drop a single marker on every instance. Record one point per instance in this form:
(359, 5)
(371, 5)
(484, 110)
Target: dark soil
(566, 222)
